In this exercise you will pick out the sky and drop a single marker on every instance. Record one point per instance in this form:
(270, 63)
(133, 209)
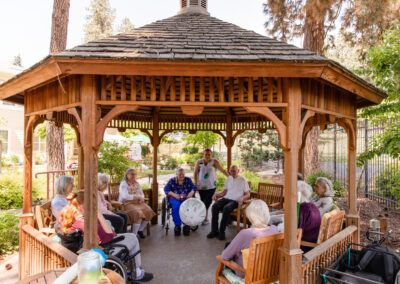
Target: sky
(25, 25)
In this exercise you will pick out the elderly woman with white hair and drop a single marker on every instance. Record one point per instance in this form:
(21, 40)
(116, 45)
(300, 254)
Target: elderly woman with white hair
(132, 196)
(177, 190)
(64, 186)
(324, 195)
(119, 220)
(258, 214)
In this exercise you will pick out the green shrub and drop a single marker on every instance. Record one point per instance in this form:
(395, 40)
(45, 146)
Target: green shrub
(168, 163)
(337, 185)
(11, 188)
(8, 232)
(389, 183)
(112, 160)
(250, 176)
(191, 159)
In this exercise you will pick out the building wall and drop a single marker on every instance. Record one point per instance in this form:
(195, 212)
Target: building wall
(13, 118)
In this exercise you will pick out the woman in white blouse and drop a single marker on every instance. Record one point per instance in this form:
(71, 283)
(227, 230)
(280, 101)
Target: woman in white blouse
(132, 196)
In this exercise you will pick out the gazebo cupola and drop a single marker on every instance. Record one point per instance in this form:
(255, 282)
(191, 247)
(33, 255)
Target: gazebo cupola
(194, 6)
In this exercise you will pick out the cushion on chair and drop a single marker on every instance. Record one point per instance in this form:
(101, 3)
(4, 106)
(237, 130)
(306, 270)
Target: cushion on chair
(245, 257)
(232, 277)
(324, 223)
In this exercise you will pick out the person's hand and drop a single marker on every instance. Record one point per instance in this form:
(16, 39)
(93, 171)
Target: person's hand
(141, 199)
(214, 197)
(190, 195)
(197, 186)
(109, 207)
(177, 196)
(240, 202)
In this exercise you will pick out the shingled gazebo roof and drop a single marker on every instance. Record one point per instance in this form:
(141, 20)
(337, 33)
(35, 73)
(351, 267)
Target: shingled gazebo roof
(193, 37)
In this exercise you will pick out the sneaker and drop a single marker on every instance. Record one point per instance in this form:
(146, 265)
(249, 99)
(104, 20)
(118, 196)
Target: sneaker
(186, 230)
(194, 228)
(141, 235)
(147, 276)
(212, 235)
(221, 236)
(177, 230)
(205, 222)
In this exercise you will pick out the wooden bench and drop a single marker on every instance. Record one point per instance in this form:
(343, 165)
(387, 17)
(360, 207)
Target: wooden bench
(113, 196)
(271, 193)
(331, 224)
(44, 219)
(263, 260)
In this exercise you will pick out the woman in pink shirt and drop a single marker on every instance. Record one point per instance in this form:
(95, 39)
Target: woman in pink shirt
(71, 219)
(119, 220)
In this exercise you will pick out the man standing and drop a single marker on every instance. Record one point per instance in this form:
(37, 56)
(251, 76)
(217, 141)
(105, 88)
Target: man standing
(205, 178)
(236, 192)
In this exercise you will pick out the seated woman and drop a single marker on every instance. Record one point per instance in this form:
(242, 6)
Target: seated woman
(119, 220)
(71, 219)
(64, 186)
(132, 196)
(177, 190)
(304, 189)
(324, 195)
(258, 214)
(309, 222)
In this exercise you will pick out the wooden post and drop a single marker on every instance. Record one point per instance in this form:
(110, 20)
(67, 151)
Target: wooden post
(90, 150)
(229, 140)
(290, 260)
(27, 194)
(81, 171)
(23, 262)
(156, 143)
(352, 217)
(301, 162)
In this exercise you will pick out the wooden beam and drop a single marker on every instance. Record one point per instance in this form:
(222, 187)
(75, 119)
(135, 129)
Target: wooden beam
(290, 262)
(172, 91)
(192, 110)
(241, 89)
(221, 91)
(89, 116)
(201, 90)
(250, 90)
(211, 91)
(182, 88)
(280, 126)
(153, 90)
(156, 143)
(103, 123)
(192, 90)
(133, 88)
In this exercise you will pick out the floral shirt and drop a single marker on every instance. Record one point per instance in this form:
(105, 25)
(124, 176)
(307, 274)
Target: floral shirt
(183, 190)
(127, 191)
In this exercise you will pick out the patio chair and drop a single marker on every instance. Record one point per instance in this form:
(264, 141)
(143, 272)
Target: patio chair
(44, 219)
(331, 224)
(240, 213)
(271, 193)
(262, 263)
(113, 195)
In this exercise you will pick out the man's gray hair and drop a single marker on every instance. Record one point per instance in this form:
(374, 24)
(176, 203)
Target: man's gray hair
(234, 166)
(102, 178)
(328, 186)
(178, 170)
(62, 183)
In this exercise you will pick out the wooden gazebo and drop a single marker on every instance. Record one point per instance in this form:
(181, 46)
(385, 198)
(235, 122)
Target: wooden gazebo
(192, 72)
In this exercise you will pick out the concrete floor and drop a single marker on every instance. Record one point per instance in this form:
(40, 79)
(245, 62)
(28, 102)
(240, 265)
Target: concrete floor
(183, 259)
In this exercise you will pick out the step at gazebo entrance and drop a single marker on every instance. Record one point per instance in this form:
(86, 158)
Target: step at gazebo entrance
(192, 72)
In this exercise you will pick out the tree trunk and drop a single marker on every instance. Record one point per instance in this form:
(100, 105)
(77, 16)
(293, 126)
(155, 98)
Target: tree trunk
(54, 134)
(314, 36)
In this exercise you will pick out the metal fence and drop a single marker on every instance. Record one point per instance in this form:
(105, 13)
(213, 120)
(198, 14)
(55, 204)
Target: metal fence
(375, 175)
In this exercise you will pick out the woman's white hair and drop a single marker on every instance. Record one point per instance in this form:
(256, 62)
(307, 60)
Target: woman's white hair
(102, 178)
(328, 186)
(258, 213)
(178, 170)
(62, 183)
(127, 172)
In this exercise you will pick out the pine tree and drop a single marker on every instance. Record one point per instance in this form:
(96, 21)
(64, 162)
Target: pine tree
(361, 21)
(126, 26)
(17, 60)
(99, 22)
(54, 134)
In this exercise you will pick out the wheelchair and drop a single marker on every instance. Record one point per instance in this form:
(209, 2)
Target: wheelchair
(166, 212)
(118, 258)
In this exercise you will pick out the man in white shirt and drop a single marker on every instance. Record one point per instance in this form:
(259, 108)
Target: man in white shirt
(236, 191)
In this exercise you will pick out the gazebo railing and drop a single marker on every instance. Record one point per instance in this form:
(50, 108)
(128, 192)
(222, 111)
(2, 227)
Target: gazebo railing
(38, 253)
(52, 176)
(325, 254)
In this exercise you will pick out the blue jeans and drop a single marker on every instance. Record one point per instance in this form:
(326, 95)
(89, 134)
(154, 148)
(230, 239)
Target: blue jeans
(175, 211)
